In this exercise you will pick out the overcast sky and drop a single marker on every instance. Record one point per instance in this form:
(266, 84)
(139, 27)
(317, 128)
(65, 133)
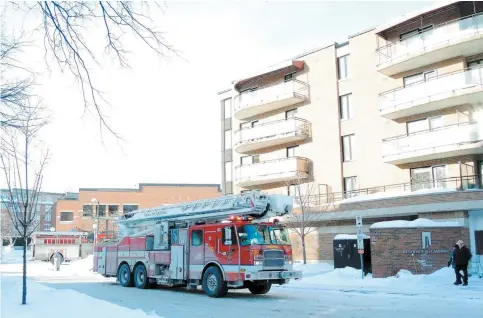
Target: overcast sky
(168, 111)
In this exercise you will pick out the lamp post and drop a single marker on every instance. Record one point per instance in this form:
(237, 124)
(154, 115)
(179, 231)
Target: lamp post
(96, 226)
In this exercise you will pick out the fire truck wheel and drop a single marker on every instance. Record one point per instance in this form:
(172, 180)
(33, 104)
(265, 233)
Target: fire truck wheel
(124, 276)
(141, 279)
(259, 288)
(213, 283)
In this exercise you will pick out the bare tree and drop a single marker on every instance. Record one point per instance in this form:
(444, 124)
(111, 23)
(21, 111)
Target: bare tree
(23, 172)
(64, 25)
(307, 214)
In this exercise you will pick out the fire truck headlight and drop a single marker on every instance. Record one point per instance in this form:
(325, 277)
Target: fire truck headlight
(288, 260)
(258, 263)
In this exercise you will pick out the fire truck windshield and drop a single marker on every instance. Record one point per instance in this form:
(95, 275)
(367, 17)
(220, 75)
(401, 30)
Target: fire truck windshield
(263, 235)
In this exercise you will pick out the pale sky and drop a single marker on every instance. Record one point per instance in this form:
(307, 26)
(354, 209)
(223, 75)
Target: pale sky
(168, 111)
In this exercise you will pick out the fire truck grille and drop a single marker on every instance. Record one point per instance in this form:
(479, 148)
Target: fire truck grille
(273, 259)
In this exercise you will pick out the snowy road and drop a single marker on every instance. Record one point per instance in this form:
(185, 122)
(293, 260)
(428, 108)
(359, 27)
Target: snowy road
(296, 301)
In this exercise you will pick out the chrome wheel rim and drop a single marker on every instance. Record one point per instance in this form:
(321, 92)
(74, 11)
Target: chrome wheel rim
(212, 282)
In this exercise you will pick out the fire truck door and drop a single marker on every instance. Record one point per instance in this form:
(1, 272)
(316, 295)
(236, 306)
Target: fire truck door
(177, 262)
(101, 263)
(228, 247)
(211, 243)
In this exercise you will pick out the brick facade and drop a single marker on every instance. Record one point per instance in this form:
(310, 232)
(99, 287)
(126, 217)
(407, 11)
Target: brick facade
(401, 248)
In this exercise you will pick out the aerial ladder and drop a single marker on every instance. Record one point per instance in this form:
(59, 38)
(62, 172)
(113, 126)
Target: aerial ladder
(249, 204)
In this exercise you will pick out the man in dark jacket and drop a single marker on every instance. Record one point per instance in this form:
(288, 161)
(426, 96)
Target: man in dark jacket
(461, 258)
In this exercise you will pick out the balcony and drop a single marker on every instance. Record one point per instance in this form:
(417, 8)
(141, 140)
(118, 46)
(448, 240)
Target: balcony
(444, 142)
(270, 98)
(462, 37)
(286, 170)
(457, 88)
(276, 133)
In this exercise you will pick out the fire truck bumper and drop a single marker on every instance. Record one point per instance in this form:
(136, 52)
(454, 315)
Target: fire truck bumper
(268, 275)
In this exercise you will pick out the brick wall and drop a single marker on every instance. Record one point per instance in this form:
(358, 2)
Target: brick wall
(388, 248)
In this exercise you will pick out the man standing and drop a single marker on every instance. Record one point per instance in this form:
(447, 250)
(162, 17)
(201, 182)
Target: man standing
(461, 259)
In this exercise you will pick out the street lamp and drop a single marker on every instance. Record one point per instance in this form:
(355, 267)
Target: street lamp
(96, 226)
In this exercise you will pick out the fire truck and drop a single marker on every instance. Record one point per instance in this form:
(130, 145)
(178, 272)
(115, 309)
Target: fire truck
(68, 244)
(231, 242)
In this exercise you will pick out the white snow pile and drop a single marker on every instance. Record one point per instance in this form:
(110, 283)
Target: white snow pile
(43, 301)
(309, 270)
(348, 237)
(390, 194)
(413, 224)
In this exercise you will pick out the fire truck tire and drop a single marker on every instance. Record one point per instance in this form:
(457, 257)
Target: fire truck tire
(213, 283)
(125, 277)
(141, 279)
(259, 288)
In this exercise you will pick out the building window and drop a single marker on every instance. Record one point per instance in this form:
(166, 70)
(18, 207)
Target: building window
(475, 64)
(66, 216)
(249, 124)
(479, 242)
(227, 105)
(291, 113)
(350, 186)
(101, 212)
(228, 174)
(48, 216)
(291, 190)
(428, 177)
(343, 66)
(127, 208)
(348, 147)
(426, 124)
(227, 139)
(197, 238)
(87, 210)
(288, 77)
(248, 160)
(47, 227)
(346, 110)
(291, 151)
(113, 209)
(420, 77)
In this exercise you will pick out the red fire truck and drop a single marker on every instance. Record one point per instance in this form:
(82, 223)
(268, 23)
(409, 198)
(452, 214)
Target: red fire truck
(220, 244)
(68, 244)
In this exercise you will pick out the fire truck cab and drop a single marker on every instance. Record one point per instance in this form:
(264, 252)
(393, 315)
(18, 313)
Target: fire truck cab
(215, 252)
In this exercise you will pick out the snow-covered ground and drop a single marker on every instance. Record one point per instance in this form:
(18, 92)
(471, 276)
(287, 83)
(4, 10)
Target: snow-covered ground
(324, 292)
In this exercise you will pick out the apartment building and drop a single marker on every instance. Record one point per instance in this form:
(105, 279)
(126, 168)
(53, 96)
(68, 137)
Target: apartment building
(43, 211)
(388, 125)
(97, 208)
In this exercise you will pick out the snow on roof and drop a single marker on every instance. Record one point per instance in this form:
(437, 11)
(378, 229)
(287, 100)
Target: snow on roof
(385, 195)
(348, 237)
(401, 19)
(413, 224)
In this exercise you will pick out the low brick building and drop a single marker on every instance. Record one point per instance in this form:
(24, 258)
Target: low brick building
(100, 207)
(422, 246)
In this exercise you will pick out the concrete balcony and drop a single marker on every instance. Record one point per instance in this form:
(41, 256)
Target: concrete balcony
(447, 90)
(462, 37)
(285, 170)
(444, 142)
(269, 98)
(275, 133)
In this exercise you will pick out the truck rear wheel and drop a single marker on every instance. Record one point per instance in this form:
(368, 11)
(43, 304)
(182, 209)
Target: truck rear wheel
(124, 276)
(141, 279)
(259, 288)
(213, 283)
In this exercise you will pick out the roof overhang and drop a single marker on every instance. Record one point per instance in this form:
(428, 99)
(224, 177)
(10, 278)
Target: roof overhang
(283, 68)
(402, 19)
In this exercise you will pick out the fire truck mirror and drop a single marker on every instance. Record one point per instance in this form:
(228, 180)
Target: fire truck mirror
(227, 233)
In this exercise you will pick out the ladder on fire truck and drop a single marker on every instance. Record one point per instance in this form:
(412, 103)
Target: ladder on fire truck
(253, 204)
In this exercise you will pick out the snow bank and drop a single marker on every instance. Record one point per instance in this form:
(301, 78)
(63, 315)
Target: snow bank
(390, 194)
(43, 301)
(413, 224)
(348, 237)
(309, 270)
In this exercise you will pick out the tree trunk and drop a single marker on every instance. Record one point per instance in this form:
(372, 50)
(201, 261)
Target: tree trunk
(304, 253)
(24, 274)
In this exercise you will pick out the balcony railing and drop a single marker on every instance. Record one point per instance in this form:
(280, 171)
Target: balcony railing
(281, 94)
(272, 171)
(459, 138)
(447, 33)
(271, 134)
(442, 87)
(428, 186)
